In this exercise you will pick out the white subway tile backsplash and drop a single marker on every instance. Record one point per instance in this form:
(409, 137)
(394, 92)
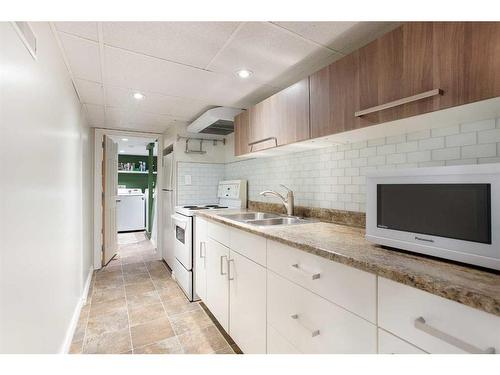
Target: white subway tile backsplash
(335, 176)
(463, 139)
(479, 151)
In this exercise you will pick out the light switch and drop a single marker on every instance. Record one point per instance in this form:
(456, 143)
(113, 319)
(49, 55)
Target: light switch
(187, 179)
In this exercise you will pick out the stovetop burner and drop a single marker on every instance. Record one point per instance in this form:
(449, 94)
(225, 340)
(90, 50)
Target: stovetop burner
(214, 206)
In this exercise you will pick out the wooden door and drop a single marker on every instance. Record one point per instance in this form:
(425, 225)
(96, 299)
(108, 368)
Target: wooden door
(247, 304)
(241, 136)
(110, 194)
(334, 97)
(217, 295)
(466, 61)
(200, 256)
(280, 119)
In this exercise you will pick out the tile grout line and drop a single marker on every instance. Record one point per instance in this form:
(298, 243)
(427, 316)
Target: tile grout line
(126, 306)
(88, 314)
(164, 310)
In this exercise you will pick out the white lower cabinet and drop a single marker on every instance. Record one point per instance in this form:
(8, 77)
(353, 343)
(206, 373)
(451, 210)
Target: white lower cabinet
(217, 294)
(313, 324)
(390, 344)
(435, 324)
(276, 344)
(247, 304)
(200, 258)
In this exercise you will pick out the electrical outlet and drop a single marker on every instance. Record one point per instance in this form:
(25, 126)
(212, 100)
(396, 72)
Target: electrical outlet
(187, 179)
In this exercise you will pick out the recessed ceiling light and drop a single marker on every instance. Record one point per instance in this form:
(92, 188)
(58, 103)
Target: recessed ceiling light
(138, 96)
(125, 139)
(244, 73)
(122, 151)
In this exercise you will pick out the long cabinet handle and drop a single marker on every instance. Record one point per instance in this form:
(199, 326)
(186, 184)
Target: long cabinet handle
(221, 263)
(399, 102)
(251, 144)
(202, 254)
(229, 269)
(421, 325)
(314, 332)
(313, 276)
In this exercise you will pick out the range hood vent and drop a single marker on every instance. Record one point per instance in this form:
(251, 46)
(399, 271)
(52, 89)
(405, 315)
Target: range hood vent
(219, 121)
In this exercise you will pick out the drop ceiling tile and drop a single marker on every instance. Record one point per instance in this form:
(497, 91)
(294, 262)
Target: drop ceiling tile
(95, 115)
(129, 118)
(191, 43)
(83, 57)
(86, 30)
(267, 50)
(90, 92)
(340, 36)
(148, 74)
(155, 103)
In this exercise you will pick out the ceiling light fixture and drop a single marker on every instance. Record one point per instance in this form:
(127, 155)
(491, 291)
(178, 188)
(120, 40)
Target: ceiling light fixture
(244, 73)
(122, 151)
(125, 139)
(138, 96)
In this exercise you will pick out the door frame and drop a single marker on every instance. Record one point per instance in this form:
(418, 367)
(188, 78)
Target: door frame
(98, 155)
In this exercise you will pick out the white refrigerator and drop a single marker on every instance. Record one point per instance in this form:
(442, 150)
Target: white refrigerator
(168, 208)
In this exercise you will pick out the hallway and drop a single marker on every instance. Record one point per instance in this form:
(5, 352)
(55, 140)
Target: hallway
(134, 307)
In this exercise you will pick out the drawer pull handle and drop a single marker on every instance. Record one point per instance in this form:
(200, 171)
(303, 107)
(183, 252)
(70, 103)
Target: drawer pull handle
(221, 264)
(314, 332)
(313, 276)
(421, 325)
(229, 277)
(399, 102)
(202, 253)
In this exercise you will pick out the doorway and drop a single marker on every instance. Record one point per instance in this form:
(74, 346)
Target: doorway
(128, 177)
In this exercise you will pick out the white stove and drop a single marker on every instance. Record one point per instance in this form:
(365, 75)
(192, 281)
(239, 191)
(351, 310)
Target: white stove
(231, 194)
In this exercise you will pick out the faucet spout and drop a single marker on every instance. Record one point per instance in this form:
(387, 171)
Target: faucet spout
(287, 202)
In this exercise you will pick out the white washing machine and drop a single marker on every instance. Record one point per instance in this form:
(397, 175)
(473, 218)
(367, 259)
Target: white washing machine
(130, 210)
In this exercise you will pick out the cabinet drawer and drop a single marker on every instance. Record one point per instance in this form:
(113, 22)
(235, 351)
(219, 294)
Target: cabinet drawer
(314, 325)
(276, 344)
(390, 344)
(218, 232)
(249, 245)
(348, 287)
(433, 323)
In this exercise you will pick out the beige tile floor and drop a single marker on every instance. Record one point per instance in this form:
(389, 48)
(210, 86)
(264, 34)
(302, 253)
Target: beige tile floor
(134, 307)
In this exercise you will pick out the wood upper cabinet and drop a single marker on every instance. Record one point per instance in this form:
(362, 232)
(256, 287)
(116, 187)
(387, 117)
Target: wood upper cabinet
(241, 125)
(280, 119)
(466, 61)
(334, 95)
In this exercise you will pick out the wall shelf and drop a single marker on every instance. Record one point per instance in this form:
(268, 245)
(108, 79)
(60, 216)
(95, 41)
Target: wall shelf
(135, 172)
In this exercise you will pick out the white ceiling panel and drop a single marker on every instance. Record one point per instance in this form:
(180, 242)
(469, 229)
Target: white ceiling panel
(95, 114)
(83, 57)
(90, 92)
(128, 118)
(155, 103)
(267, 50)
(148, 74)
(190, 43)
(340, 36)
(86, 30)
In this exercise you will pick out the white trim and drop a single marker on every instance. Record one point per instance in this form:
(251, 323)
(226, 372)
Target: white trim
(70, 332)
(98, 136)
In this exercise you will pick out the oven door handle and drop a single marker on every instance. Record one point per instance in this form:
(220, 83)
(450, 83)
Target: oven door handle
(181, 222)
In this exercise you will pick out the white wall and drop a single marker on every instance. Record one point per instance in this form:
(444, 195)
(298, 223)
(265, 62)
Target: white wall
(45, 190)
(202, 187)
(335, 177)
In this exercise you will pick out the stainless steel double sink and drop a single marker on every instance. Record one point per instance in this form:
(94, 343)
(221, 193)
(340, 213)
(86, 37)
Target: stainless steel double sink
(266, 219)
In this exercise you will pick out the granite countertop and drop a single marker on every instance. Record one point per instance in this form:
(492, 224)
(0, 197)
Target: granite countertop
(469, 286)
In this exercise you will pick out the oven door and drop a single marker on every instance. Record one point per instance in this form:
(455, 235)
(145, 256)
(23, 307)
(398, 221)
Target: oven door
(183, 237)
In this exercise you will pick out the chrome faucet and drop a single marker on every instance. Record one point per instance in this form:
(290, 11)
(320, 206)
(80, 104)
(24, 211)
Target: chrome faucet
(287, 202)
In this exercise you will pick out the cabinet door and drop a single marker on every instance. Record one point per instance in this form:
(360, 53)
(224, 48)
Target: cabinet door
(396, 66)
(280, 119)
(241, 125)
(467, 61)
(217, 295)
(334, 97)
(200, 256)
(247, 308)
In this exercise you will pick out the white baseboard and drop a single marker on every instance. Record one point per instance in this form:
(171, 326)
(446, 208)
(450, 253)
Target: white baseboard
(76, 314)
